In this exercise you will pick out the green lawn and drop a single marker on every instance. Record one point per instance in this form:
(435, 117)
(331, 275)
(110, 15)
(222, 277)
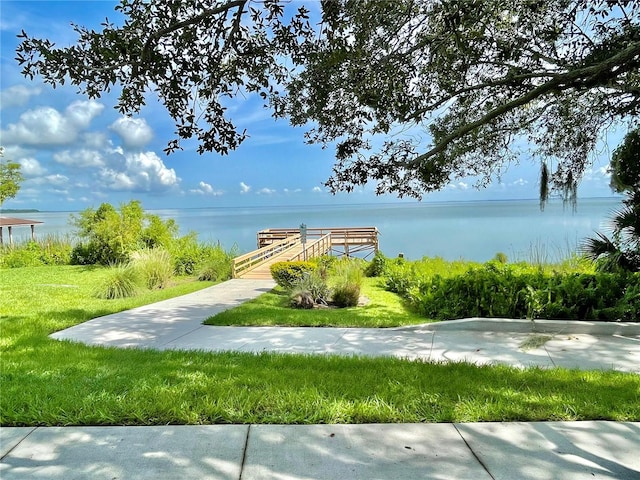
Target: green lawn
(384, 309)
(48, 382)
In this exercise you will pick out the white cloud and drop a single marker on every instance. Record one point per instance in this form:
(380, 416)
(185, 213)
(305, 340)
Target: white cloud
(95, 140)
(134, 132)
(206, 189)
(47, 126)
(79, 158)
(30, 167)
(137, 172)
(297, 190)
(458, 186)
(521, 182)
(316, 190)
(55, 180)
(598, 174)
(244, 188)
(17, 96)
(266, 191)
(81, 114)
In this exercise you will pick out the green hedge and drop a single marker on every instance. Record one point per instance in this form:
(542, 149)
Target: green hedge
(287, 274)
(517, 291)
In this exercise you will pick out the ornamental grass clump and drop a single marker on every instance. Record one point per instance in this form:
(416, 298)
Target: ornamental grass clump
(217, 263)
(310, 290)
(154, 266)
(347, 283)
(121, 281)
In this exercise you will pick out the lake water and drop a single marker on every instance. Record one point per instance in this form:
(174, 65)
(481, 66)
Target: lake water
(452, 230)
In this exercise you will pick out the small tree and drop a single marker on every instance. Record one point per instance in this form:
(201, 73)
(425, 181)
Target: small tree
(10, 178)
(110, 236)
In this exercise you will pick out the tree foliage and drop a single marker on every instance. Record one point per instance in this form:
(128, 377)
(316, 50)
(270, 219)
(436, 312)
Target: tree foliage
(473, 78)
(452, 87)
(194, 55)
(622, 250)
(10, 178)
(110, 236)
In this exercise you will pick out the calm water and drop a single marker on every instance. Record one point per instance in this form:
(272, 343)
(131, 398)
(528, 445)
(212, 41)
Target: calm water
(473, 231)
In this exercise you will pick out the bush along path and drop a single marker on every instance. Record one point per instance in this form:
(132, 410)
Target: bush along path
(517, 291)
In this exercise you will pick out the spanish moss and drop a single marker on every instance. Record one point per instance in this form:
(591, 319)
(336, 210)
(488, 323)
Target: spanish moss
(544, 186)
(570, 192)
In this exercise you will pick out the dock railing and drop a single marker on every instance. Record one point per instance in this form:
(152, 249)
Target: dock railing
(344, 240)
(246, 262)
(317, 248)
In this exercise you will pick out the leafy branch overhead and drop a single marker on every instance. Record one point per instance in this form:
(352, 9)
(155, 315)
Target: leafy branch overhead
(192, 54)
(452, 87)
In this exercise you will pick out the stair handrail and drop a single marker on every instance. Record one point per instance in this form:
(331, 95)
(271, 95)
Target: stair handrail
(251, 260)
(316, 248)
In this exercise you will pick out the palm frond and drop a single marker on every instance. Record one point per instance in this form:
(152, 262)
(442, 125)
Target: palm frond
(594, 248)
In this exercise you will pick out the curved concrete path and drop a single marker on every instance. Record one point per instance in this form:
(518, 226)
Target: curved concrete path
(176, 324)
(477, 451)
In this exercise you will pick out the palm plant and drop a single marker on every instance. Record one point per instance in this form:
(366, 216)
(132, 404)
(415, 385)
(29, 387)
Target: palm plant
(622, 251)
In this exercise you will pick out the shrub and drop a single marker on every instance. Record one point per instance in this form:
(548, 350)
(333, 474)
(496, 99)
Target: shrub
(110, 236)
(207, 261)
(52, 250)
(120, 282)
(83, 254)
(501, 257)
(287, 274)
(154, 266)
(158, 233)
(315, 285)
(324, 265)
(346, 295)
(27, 255)
(348, 280)
(376, 266)
(56, 250)
(524, 291)
(187, 254)
(217, 264)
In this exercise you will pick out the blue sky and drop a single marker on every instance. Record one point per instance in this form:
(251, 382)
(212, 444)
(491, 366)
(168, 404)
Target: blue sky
(77, 152)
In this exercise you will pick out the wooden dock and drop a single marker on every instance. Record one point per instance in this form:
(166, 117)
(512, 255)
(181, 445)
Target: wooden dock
(285, 244)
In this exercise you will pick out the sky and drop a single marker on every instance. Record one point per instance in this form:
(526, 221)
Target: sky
(77, 153)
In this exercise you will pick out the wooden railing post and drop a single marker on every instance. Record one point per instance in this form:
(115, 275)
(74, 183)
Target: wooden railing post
(275, 241)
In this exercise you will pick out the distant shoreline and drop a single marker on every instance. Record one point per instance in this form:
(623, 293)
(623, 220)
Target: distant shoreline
(19, 210)
(435, 203)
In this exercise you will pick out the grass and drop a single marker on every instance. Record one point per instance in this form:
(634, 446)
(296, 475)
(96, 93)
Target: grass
(385, 309)
(48, 382)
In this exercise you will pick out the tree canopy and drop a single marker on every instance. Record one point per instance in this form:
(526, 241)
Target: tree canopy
(412, 93)
(109, 236)
(10, 178)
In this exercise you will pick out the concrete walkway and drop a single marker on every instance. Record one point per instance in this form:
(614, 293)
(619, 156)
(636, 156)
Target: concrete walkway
(550, 450)
(176, 324)
(477, 451)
